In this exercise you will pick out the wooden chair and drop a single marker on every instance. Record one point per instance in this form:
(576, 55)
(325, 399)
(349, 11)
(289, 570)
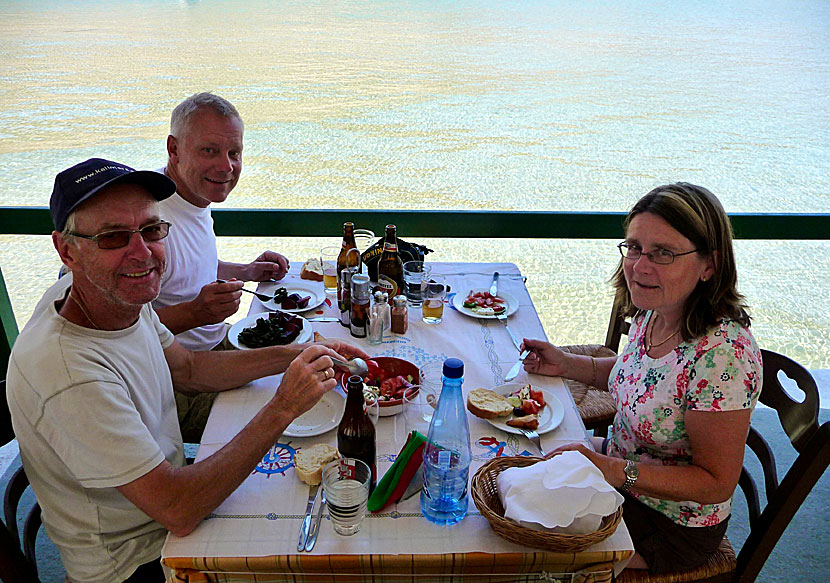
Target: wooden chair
(810, 440)
(16, 565)
(594, 403)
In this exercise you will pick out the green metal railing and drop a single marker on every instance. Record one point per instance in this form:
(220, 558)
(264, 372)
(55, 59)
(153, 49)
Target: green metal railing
(438, 224)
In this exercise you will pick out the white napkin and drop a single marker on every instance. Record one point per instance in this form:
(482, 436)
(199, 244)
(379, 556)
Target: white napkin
(566, 494)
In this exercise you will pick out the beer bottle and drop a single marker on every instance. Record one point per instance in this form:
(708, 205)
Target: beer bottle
(346, 259)
(390, 266)
(356, 433)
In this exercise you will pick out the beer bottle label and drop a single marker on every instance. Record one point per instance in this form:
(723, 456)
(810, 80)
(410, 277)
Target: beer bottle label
(393, 247)
(388, 285)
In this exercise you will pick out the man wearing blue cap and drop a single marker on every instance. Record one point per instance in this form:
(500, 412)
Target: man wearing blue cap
(91, 377)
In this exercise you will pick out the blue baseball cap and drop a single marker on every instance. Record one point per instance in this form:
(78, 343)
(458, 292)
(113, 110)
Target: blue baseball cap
(83, 181)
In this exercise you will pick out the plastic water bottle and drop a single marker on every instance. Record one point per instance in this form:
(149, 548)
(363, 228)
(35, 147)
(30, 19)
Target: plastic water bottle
(447, 452)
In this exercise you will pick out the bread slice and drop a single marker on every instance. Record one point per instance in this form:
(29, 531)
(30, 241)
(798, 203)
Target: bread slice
(310, 461)
(527, 421)
(487, 404)
(312, 269)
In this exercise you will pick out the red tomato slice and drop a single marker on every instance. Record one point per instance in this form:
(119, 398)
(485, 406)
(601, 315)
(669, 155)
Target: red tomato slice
(537, 396)
(530, 406)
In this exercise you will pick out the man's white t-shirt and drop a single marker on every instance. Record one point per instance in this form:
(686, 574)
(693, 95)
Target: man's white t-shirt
(192, 263)
(93, 410)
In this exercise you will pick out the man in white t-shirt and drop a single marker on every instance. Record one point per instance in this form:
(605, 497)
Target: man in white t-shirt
(91, 378)
(204, 160)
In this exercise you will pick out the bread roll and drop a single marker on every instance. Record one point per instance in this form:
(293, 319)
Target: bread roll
(528, 422)
(312, 269)
(487, 404)
(310, 461)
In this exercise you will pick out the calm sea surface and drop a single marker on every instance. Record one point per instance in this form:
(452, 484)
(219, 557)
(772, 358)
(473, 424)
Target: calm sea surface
(484, 105)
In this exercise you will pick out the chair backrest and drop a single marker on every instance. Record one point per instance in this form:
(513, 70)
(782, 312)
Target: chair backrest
(811, 441)
(617, 326)
(16, 565)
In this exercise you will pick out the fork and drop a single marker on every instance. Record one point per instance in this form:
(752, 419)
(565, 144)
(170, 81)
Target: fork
(263, 297)
(534, 437)
(503, 319)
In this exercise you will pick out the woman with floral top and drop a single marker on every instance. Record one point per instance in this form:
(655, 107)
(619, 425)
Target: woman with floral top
(685, 384)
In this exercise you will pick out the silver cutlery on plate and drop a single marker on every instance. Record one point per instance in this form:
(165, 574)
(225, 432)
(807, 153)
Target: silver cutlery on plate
(304, 527)
(533, 436)
(494, 287)
(323, 319)
(514, 372)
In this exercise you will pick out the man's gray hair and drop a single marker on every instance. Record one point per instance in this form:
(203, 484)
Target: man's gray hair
(69, 228)
(185, 110)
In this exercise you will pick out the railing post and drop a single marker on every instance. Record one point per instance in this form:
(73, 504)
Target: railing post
(9, 334)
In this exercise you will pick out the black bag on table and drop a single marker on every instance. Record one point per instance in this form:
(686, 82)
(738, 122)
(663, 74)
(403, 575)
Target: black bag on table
(406, 251)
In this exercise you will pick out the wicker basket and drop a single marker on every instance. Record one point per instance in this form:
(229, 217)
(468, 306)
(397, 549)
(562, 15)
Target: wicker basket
(486, 498)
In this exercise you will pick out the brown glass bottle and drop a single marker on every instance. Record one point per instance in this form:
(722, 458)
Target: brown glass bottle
(346, 259)
(390, 266)
(356, 433)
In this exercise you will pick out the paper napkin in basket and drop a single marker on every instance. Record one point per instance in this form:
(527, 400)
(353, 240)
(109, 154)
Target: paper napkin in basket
(565, 494)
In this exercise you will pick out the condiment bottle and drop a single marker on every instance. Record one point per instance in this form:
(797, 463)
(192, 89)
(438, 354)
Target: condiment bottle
(390, 266)
(377, 319)
(360, 305)
(346, 259)
(447, 452)
(356, 433)
(345, 298)
(400, 315)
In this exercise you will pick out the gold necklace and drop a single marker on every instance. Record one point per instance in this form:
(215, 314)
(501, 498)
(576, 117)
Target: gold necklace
(650, 345)
(83, 309)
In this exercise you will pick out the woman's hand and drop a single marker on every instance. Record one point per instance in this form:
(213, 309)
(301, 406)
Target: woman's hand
(545, 358)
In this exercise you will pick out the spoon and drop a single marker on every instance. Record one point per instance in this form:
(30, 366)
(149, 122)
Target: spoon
(356, 366)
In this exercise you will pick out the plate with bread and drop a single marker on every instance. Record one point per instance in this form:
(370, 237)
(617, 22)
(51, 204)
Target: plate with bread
(321, 418)
(295, 297)
(511, 406)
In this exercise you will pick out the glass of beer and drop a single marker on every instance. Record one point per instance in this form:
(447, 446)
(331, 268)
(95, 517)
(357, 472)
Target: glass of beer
(432, 309)
(328, 259)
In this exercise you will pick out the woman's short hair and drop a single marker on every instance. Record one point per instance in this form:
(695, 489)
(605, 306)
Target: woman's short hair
(184, 111)
(698, 215)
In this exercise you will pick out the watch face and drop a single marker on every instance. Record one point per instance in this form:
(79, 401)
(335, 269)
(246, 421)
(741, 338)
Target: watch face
(631, 470)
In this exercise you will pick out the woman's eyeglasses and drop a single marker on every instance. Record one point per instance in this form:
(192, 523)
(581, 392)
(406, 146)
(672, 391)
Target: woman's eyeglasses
(121, 238)
(659, 256)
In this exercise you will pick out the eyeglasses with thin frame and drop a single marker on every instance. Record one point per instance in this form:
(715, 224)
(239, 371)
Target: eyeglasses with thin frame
(659, 256)
(121, 237)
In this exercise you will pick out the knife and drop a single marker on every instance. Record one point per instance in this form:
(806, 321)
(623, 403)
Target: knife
(513, 373)
(312, 496)
(494, 287)
(323, 319)
(315, 526)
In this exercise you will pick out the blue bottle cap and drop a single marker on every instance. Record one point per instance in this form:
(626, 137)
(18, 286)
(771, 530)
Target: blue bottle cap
(453, 368)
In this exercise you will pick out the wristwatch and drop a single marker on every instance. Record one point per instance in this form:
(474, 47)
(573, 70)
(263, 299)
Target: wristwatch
(632, 472)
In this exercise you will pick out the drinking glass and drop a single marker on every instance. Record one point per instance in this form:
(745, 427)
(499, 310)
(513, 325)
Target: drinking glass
(363, 238)
(328, 259)
(346, 483)
(417, 411)
(432, 308)
(430, 377)
(415, 274)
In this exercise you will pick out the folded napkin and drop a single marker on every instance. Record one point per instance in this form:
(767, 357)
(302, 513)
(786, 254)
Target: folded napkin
(565, 494)
(394, 482)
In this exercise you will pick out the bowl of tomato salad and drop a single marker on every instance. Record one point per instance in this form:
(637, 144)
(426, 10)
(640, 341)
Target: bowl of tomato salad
(389, 378)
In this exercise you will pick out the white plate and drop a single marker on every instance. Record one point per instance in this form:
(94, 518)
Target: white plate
(549, 418)
(511, 303)
(313, 289)
(322, 417)
(233, 333)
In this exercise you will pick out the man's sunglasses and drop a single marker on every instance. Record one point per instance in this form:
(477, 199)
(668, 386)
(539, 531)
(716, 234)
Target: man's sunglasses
(121, 238)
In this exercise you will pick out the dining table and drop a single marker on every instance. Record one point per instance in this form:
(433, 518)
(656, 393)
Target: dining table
(252, 535)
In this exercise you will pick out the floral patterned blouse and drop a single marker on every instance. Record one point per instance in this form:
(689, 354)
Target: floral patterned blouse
(720, 371)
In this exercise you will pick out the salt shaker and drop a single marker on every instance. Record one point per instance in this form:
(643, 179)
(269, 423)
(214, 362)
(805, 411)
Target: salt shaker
(376, 320)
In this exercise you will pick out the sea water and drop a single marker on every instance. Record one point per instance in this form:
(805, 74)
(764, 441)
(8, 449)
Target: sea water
(552, 105)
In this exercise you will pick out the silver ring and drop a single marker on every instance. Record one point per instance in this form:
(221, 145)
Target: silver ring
(326, 375)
